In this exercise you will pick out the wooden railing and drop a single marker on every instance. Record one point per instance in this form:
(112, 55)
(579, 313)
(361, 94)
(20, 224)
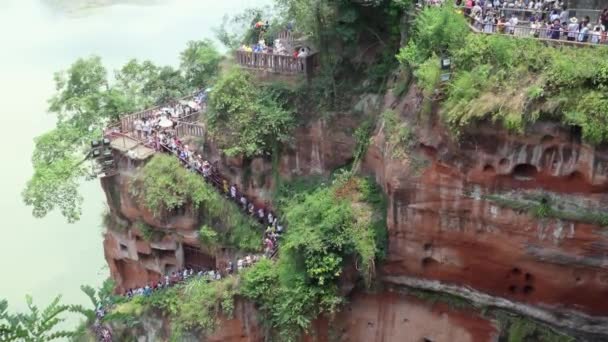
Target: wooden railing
(189, 129)
(282, 64)
(285, 36)
(541, 33)
(126, 122)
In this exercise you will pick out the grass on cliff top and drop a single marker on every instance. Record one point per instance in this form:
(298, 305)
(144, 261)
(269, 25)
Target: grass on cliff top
(164, 186)
(513, 82)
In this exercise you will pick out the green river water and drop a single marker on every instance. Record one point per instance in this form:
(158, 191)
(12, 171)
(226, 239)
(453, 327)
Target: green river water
(46, 257)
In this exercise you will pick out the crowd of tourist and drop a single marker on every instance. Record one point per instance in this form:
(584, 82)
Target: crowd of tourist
(187, 274)
(168, 116)
(163, 138)
(278, 47)
(541, 19)
(169, 142)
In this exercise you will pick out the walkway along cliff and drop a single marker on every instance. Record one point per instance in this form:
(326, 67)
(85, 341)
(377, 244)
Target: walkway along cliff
(489, 232)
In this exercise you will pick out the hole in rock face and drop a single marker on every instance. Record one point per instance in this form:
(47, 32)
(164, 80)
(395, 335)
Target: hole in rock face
(576, 177)
(547, 138)
(512, 288)
(524, 171)
(503, 162)
(576, 133)
(170, 268)
(515, 271)
(428, 246)
(488, 168)
(426, 339)
(528, 289)
(529, 277)
(426, 262)
(578, 279)
(123, 248)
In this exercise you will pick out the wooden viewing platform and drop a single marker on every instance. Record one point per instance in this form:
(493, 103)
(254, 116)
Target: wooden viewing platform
(280, 64)
(127, 121)
(131, 146)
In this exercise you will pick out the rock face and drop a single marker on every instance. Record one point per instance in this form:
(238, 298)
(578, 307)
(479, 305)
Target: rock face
(442, 229)
(135, 261)
(381, 317)
(444, 232)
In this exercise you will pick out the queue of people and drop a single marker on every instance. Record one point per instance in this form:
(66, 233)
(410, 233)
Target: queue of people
(169, 142)
(490, 17)
(168, 116)
(278, 47)
(187, 274)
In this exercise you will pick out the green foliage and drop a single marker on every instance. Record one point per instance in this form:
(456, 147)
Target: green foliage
(454, 302)
(522, 329)
(149, 233)
(398, 134)
(362, 137)
(428, 73)
(328, 226)
(288, 304)
(85, 101)
(200, 63)
(513, 82)
(591, 114)
(35, 325)
(194, 305)
(437, 30)
(545, 206)
(246, 119)
(208, 237)
(163, 185)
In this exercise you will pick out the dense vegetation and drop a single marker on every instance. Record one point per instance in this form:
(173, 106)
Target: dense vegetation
(195, 306)
(164, 186)
(329, 228)
(85, 101)
(513, 82)
(246, 118)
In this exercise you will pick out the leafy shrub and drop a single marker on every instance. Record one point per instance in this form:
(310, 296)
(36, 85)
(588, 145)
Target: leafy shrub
(436, 30)
(194, 305)
(328, 226)
(398, 134)
(163, 185)
(208, 237)
(245, 119)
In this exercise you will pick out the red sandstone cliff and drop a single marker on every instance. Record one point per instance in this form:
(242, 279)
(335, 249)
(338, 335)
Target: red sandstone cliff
(443, 234)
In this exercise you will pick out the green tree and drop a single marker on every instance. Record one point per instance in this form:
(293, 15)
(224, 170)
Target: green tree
(200, 63)
(80, 106)
(83, 104)
(246, 119)
(133, 81)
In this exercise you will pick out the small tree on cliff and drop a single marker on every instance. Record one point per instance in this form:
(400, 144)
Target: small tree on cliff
(200, 63)
(246, 119)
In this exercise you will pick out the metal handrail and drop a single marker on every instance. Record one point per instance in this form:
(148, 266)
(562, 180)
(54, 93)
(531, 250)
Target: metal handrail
(541, 33)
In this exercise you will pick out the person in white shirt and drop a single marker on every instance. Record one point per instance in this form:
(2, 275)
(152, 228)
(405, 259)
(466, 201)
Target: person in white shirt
(583, 35)
(563, 16)
(595, 35)
(510, 25)
(573, 29)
